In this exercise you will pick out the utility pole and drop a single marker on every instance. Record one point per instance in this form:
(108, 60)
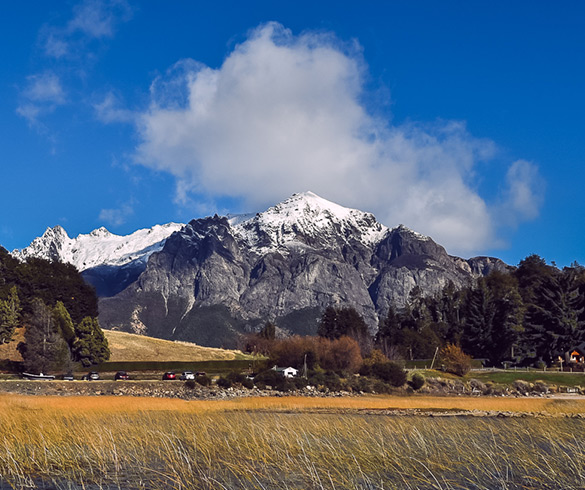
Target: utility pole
(434, 357)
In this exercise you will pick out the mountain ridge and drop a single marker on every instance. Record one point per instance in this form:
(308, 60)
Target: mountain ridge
(217, 277)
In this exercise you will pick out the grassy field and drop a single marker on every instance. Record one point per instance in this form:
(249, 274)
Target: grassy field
(138, 348)
(550, 377)
(285, 443)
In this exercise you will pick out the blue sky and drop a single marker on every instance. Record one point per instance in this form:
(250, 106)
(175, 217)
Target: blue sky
(462, 120)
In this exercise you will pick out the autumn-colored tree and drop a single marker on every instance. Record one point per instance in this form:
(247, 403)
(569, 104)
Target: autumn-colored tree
(342, 354)
(292, 350)
(455, 360)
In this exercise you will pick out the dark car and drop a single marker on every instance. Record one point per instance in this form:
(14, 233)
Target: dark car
(91, 376)
(68, 377)
(121, 375)
(169, 375)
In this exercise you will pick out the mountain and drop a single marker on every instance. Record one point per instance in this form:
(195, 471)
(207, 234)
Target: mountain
(108, 262)
(219, 276)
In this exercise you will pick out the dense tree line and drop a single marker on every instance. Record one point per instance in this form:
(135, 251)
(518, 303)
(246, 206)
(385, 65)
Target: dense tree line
(58, 309)
(532, 314)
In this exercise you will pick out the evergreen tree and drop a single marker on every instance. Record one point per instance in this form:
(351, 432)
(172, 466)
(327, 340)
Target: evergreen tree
(268, 332)
(9, 315)
(387, 336)
(329, 325)
(90, 345)
(554, 318)
(44, 348)
(479, 320)
(64, 323)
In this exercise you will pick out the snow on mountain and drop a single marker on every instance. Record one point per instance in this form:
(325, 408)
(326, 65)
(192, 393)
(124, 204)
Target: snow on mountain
(308, 217)
(302, 220)
(100, 247)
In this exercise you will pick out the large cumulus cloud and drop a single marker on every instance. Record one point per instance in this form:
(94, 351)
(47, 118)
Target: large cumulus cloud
(285, 113)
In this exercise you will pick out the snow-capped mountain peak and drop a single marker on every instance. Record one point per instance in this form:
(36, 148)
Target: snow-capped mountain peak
(306, 217)
(99, 247)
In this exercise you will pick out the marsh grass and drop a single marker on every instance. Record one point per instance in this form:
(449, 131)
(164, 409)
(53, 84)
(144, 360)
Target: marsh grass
(118, 442)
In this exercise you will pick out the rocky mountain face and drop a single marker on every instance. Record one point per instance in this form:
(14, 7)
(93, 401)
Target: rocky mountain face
(216, 276)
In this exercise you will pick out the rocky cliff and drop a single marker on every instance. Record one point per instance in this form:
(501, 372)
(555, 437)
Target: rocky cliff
(217, 277)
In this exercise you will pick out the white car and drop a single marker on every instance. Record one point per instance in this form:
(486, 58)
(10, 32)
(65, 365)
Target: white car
(187, 375)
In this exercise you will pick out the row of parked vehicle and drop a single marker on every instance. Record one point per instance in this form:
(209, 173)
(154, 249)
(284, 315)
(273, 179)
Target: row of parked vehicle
(123, 375)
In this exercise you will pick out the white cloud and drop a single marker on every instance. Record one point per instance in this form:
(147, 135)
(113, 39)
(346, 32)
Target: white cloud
(41, 95)
(116, 216)
(109, 110)
(284, 113)
(524, 193)
(45, 87)
(91, 19)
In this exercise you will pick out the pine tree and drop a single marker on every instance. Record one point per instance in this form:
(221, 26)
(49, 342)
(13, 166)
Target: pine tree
(554, 319)
(268, 332)
(44, 348)
(388, 332)
(64, 323)
(9, 315)
(90, 345)
(329, 325)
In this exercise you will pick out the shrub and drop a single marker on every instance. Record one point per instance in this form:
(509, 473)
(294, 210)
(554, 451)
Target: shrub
(389, 372)
(417, 381)
(329, 380)
(224, 382)
(268, 377)
(248, 383)
(190, 383)
(380, 387)
(455, 360)
(203, 380)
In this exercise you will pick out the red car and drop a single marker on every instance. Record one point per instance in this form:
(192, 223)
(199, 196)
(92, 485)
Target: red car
(169, 375)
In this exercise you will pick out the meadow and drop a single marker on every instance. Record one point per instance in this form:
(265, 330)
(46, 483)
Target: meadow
(288, 443)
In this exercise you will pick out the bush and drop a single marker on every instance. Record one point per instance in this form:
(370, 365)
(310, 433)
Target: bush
(268, 378)
(248, 383)
(190, 383)
(390, 373)
(455, 360)
(224, 382)
(329, 380)
(380, 387)
(417, 381)
(203, 380)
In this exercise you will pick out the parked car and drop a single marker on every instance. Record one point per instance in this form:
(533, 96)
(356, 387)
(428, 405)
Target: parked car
(121, 375)
(68, 377)
(187, 375)
(91, 376)
(169, 375)
(200, 373)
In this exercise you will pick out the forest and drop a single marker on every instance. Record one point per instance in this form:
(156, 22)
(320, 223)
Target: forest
(531, 315)
(59, 310)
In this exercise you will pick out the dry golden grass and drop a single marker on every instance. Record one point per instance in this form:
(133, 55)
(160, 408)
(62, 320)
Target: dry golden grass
(130, 347)
(121, 404)
(170, 444)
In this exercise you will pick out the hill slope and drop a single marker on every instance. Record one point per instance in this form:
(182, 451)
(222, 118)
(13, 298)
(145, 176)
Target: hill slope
(126, 347)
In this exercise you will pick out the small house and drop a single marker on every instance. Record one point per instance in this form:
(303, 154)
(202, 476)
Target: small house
(288, 372)
(576, 355)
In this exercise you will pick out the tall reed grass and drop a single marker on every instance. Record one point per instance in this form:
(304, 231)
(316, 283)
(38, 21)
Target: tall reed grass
(111, 443)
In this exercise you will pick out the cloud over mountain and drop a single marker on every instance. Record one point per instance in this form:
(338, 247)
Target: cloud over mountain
(286, 112)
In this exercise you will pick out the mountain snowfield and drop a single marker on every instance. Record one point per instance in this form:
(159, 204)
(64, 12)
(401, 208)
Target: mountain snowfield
(100, 247)
(304, 214)
(311, 216)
